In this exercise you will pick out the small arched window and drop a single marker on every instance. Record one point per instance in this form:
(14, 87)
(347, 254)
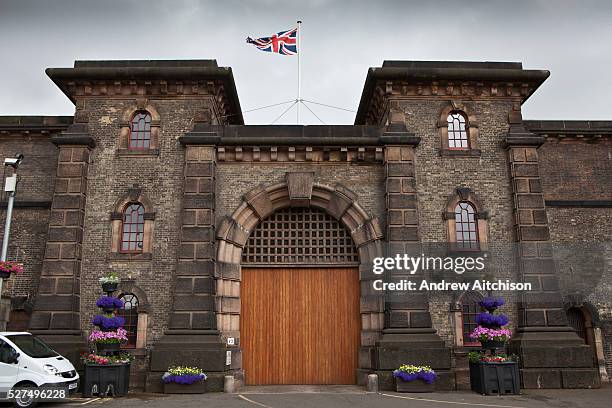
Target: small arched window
(466, 226)
(469, 310)
(130, 314)
(457, 124)
(132, 230)
(140, 131)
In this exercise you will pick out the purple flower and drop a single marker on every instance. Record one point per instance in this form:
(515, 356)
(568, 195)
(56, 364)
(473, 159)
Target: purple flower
(108, 323)
(491, 320)
(428, 376)
(491, 303)
(183, 378)
(107, 302)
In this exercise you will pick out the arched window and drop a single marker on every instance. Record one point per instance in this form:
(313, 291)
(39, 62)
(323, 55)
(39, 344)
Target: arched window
(466, 226)
(140, 131)
(457, 125)
(130, 314)
(469, 309)
(132, 230)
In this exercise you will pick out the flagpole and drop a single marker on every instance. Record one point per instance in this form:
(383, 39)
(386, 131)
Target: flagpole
(299, 53)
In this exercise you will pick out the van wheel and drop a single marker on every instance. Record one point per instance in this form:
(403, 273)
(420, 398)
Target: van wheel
(25, 401)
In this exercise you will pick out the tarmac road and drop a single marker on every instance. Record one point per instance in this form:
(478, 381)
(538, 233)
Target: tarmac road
(351, 397)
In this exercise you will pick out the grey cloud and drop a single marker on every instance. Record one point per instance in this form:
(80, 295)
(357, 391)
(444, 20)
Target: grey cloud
(341, 40)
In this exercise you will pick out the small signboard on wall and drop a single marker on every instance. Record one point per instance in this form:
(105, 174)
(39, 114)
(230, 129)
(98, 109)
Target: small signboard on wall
(228, 357)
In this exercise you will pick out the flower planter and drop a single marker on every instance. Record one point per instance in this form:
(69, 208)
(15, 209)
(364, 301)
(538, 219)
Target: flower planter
(495, 378)
(413, 386)
(106, 380)
(110, 287)
(104, 347)
(108, 310)
(493, 344)
(198, 387)
(5, 274)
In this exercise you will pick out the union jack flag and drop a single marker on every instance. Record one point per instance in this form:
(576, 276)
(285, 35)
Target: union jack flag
(284, 42)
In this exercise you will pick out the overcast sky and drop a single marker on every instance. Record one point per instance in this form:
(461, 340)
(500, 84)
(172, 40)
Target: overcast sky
(341, 39)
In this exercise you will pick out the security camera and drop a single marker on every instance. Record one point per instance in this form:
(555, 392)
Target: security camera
(13, 162)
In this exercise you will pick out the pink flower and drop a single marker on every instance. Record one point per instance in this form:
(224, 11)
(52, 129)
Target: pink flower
(118, 336)
(486, 334)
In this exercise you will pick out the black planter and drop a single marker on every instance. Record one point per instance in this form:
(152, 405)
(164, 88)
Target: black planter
(493, 344)
(5, 275)
(106, 347)
(108, 310)
(106, 380)
(195, 388)
(109, 287)
(495, 378)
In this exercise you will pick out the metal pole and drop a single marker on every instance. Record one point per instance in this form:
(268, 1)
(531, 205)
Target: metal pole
(299, 53)
(7, 228)
(11, 184)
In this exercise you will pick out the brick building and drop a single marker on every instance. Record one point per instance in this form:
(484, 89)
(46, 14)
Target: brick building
(247, 250)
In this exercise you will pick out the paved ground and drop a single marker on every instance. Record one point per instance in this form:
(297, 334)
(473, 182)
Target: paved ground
(352, 397)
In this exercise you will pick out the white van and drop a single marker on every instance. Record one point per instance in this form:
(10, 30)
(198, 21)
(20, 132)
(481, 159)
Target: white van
(28, 362)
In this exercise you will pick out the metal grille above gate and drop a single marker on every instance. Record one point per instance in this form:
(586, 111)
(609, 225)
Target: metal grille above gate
(300, 236)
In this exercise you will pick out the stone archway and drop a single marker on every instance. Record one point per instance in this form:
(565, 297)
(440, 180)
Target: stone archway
(300, 190)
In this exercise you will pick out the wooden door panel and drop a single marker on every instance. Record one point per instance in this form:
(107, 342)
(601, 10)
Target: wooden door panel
(300, 325)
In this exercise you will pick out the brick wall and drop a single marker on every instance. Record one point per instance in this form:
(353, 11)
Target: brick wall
(161, 179)
(29, 226)
(576, 170)
(438, 176)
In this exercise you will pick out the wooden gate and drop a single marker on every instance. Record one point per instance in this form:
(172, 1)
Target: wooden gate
(300, 325)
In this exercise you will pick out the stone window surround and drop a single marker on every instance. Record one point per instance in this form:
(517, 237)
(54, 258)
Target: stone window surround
(456, 316)
(472, 130)
(464, 194)
(125, 126)
(134, 195)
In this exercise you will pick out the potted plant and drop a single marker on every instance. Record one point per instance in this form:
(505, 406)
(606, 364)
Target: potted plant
(109, 303)
(106, 373)
(8, 267)
(494, 373)
(110, 282)
(410, 378)
(184, 380)
(489, 330)
(108, 340)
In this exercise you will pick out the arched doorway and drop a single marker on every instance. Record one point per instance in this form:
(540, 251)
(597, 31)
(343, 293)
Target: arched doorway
(300, 316)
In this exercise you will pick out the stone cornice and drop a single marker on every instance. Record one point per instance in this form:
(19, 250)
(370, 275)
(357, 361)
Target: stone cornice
(76, 134)
(579, 130)
(290, 135)
(34, 124)
(448, 80)
(152, 81)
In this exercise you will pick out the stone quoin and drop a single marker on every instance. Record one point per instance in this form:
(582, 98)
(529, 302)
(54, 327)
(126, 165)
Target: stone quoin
(157, 178)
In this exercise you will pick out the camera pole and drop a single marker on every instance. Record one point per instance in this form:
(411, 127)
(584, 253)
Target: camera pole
(9, 187)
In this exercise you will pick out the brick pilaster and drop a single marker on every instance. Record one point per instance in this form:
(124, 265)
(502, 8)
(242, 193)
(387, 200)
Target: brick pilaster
(57, 305)
(193, 306)
(403, 235)
(193, 338)
(551, 353)
(408, 335)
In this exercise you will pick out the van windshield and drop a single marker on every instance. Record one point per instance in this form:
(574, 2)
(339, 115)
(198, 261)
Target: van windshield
(32, 346)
